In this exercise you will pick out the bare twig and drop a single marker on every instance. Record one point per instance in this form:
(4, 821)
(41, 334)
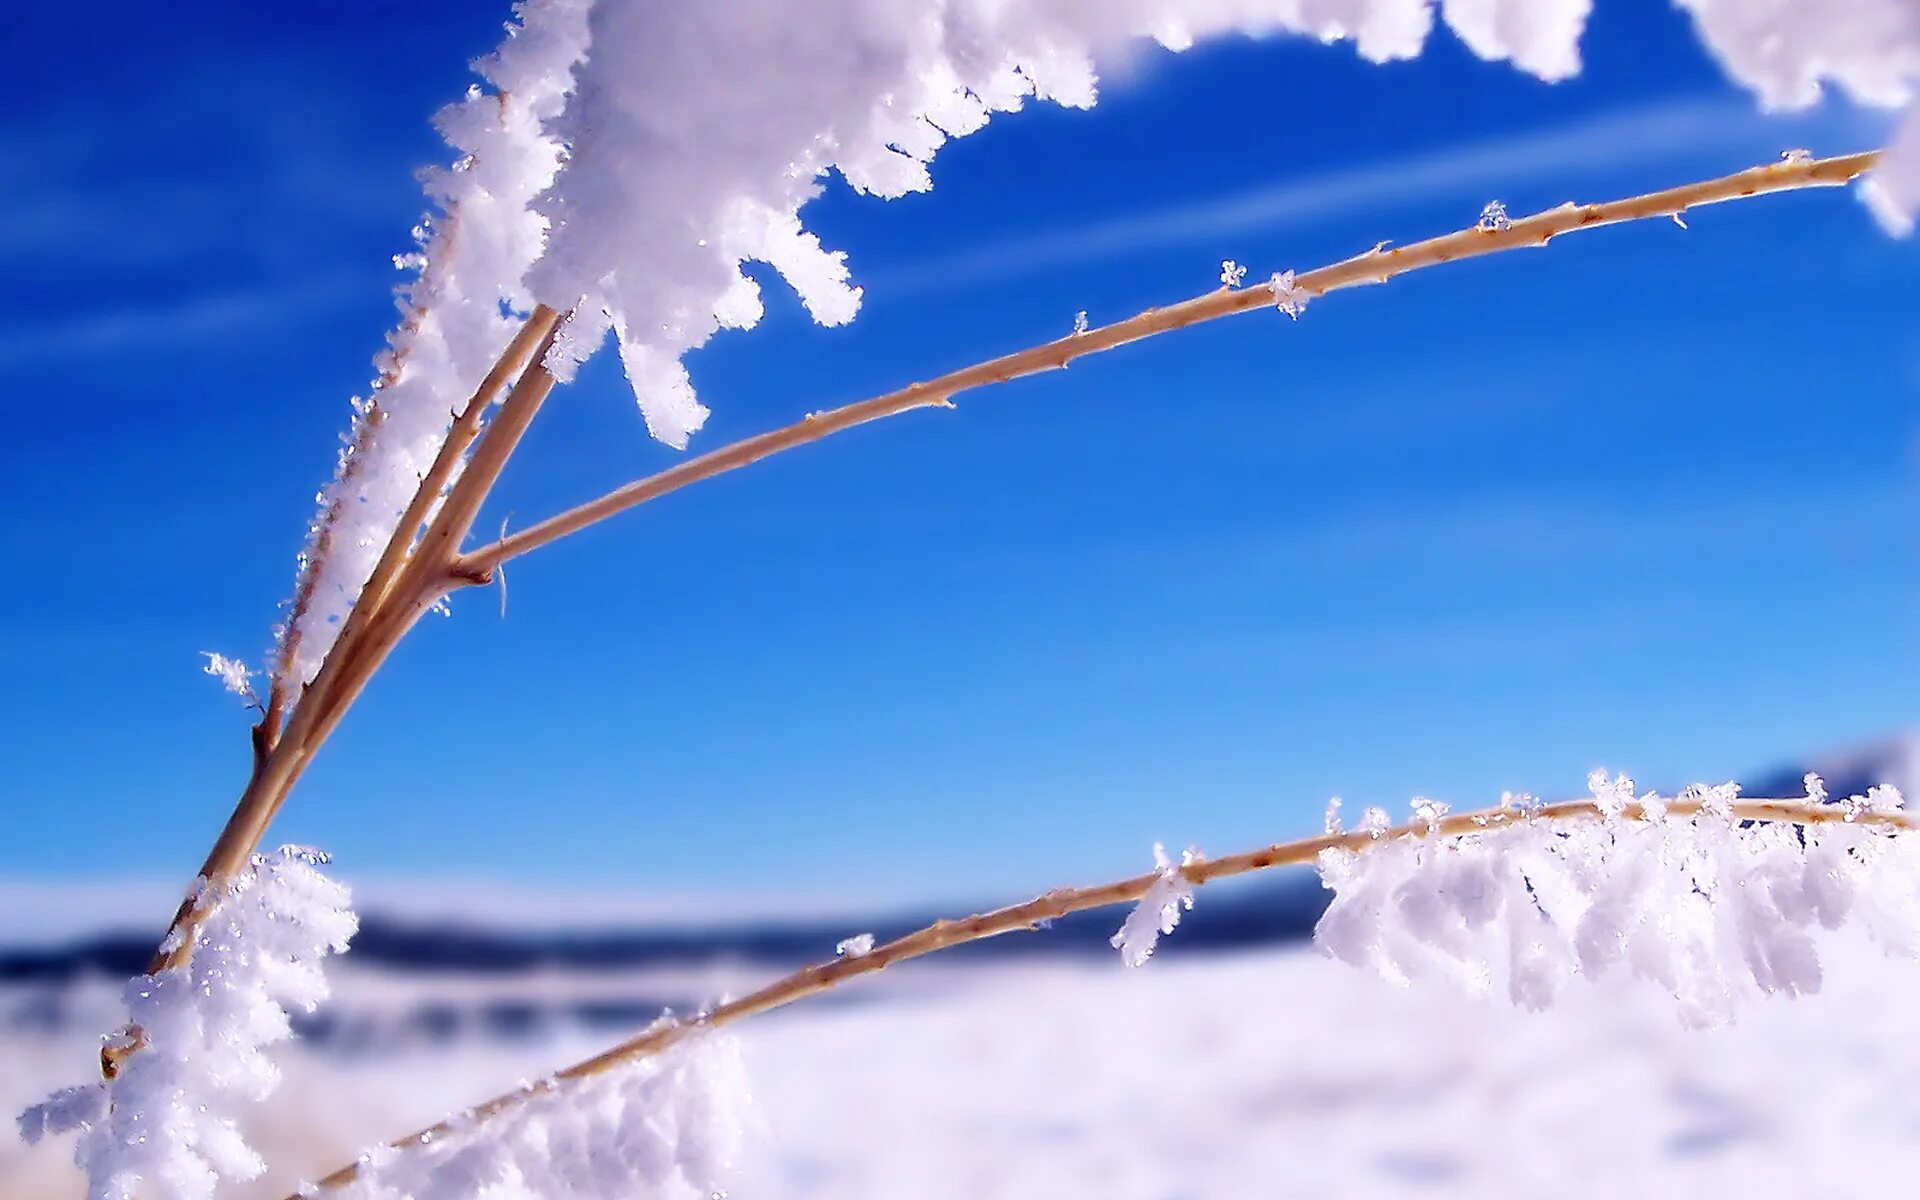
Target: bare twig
(1377, 266)
(1036, 913)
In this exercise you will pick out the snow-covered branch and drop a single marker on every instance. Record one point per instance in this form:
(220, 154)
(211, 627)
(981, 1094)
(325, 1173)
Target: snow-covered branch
(626, 159)
(1287, 291)
(1858, 856)
(670, 1127)
(1714, 907)
(165, 1127)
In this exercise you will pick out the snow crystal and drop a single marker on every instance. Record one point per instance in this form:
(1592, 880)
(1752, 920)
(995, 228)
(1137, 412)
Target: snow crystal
(1159, 909)
(1430, 812)
(1232, 274)
(165, 1126)
(1494, 218)
(1712, 909)
(1080, 323)
(1288, 296)
(233, 674)
(858, 946)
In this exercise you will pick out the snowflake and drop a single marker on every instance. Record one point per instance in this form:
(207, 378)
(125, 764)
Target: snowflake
(1080, 323)
(1494, 218)
(233, 675)
(1288, 296)
(858, 946)
(1430, 812)
(1232, 274)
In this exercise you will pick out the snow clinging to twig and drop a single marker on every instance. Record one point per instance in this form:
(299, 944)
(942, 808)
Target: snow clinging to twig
(1158, 911)
(165, 1127)
(1715, 910)
(668, 1127)
(626, 158)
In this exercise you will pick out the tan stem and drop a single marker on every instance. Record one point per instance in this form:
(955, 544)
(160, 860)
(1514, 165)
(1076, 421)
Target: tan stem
(1376, 266)
(411, 585)
(1036, 913)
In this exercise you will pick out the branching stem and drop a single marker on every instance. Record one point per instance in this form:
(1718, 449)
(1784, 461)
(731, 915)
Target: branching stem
(410, 578)
(1375, 266)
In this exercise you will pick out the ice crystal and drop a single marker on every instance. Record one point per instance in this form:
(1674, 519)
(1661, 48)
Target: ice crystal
(1680, 892)
(1158, 911)
(1430, 812)
(1288, 296)
(1232, 274)
(233, 675)
(1494, 218)
(858, 946)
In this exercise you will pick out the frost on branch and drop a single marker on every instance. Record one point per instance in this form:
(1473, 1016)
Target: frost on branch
(1676, 890)
(456, 315)
(233, 675)
(1159, 910)
(1288, 296)
(858, 946)
(697, 133)
(625, 158)
(166, 1126)
(667, 1127)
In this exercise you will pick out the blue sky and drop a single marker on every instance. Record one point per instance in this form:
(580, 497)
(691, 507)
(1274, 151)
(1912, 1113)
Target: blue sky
(1642, 500)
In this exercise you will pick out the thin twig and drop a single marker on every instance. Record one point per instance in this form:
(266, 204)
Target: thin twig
(1376, 266)
(1038, 912)
(377, 621)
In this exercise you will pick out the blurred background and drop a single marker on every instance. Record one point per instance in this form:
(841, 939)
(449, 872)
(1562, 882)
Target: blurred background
(1642, 501)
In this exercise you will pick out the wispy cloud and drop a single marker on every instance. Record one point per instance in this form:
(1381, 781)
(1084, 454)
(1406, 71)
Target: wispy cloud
(1625, 138)
(190, 318)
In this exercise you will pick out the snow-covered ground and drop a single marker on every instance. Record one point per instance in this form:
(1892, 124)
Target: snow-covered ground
(1266, 1073)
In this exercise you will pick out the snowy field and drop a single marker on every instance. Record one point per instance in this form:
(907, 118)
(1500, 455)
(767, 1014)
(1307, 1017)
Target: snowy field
(1266, 1073)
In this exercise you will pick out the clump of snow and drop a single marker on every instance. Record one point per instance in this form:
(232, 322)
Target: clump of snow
(1893, 191)
(165, 1127)
(233, 675)
(1158, 911)
(1714, 910)
(457, 314)
(1288, 296)
(1787, 51)
(1542, 37)
(671, 1126)
(858, 946)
